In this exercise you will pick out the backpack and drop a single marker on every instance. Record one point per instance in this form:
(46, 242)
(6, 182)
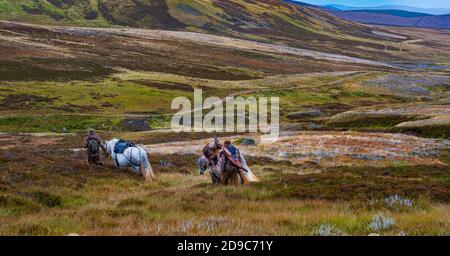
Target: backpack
(93, 146)
(234, 152)
(121, 145)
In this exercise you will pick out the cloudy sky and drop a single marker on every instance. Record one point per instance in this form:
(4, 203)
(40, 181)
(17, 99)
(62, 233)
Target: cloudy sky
(371, 3)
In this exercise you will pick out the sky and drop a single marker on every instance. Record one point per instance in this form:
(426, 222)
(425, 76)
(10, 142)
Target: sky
(372, 3)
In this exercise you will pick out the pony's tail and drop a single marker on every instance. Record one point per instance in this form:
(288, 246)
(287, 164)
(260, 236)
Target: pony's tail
(246, 174)
(249, 176)
(145, 167)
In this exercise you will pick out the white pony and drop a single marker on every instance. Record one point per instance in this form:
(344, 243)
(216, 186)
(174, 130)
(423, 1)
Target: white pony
(134, 157)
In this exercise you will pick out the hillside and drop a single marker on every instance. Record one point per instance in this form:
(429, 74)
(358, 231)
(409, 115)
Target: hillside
(270, 21)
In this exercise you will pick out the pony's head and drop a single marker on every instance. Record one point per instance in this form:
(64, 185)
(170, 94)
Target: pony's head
(202, 165)
(214, 145)
(109, 146)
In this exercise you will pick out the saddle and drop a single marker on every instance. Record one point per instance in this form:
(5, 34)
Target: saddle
(232, 153)
(122, 145)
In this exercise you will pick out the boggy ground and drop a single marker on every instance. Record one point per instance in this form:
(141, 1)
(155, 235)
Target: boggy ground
(48, 189)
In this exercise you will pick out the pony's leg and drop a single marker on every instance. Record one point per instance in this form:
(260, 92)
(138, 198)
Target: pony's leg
(152, 174)
(146, 173)
(215, 176)
(212, 175)
(234, 179)
(242, 176)
(225, 178)
(144, 167)
(215, 173)
(214, 179)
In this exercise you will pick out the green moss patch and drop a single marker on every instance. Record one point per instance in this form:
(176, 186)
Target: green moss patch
(56, 123)
(17, 205)
(47, 199)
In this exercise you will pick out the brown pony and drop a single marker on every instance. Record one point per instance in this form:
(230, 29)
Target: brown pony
(221, 168)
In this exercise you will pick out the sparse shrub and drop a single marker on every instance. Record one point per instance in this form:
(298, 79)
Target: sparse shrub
(75, 200)
(47, 199)
(381, 222)
(245, 142)
(185, 226)
(119, 213)
(398, 202)
(91, 15)
(212, 223)
(17, 204)
(130, 202)
(327, 230)
(402, 233)
(33, 230)
(3, 201)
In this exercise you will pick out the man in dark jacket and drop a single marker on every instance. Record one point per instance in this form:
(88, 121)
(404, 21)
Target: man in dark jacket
(93, 144)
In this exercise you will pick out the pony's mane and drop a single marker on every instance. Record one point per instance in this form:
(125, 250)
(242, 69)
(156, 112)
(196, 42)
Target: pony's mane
(108, 142)
(212, 144)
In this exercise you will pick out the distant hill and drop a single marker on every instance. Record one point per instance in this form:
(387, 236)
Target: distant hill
(399, 13)
(396, 18)
(432, 11)
(388, 15)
